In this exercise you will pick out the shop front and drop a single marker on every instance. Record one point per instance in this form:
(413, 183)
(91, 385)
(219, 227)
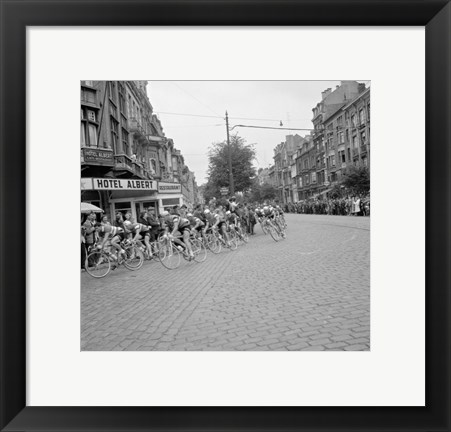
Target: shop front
(169, 195)
(136, 196)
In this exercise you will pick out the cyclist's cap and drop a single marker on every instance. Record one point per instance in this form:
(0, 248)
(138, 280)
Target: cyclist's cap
(206, 211)
(164, 213)
(266, 208)
(189, 214)
(227, 212)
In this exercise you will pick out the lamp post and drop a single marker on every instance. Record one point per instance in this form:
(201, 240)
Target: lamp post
(229, 157)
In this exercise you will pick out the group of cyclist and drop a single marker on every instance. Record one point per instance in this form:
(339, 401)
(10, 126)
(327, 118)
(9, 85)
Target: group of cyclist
(179, 224)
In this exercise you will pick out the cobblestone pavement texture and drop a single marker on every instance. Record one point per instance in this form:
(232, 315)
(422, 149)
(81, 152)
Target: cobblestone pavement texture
(308, 292)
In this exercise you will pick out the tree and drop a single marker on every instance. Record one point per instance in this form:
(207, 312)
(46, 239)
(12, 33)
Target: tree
(262, 192)
(242, 155)
(357, 180)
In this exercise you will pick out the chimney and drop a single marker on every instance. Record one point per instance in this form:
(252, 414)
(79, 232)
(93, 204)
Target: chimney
(326, 93)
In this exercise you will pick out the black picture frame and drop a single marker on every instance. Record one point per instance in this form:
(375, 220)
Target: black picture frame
(434, 15)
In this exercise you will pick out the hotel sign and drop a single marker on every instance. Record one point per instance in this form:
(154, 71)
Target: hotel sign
(95, 155)
(166, 187)
(121, 184)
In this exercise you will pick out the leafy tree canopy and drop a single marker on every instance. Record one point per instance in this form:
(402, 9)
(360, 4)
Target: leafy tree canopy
(242, 155)
(357, 180)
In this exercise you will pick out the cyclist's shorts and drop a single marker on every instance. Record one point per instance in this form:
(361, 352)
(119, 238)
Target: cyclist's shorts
(220, 224)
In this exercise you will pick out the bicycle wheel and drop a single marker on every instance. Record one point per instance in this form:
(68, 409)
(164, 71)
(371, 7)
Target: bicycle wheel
(98, 264)
(213, 243)
(134, 258)
(264, 227)
(244, 236)
(273, 232)
(169, 255)
(199, 250)
(233, 240)
(155, 250)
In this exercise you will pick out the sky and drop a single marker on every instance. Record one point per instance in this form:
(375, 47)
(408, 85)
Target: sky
(192, 113)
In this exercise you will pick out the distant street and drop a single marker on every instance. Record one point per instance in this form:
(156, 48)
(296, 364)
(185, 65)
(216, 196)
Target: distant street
(308, 292)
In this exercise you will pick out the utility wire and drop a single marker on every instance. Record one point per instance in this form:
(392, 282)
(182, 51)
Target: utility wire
(195, 98)
(268, 127)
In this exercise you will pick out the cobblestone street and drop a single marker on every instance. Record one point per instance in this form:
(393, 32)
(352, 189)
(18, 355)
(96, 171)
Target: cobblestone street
(308, 292)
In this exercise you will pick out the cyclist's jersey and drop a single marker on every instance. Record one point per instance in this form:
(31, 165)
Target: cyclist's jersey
(211, 219)
(199, 215)
(259, 212)
(176, 219)
(232, 218)
(106, 230)
(221, 216)
(132, 228)
(196, 221)
(268, 213)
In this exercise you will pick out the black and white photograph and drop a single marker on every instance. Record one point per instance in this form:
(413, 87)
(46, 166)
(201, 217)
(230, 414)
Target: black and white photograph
(225, 215)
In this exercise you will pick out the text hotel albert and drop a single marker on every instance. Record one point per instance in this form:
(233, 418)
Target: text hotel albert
(127, 162)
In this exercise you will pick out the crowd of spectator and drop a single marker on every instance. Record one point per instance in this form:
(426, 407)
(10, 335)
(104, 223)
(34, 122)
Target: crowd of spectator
(349, 206)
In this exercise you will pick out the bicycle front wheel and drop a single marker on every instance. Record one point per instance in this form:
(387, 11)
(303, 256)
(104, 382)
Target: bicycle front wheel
(213, 243)
(98, 264)
(169, 255)
(273, 232)
(199, 250)
(134, 258)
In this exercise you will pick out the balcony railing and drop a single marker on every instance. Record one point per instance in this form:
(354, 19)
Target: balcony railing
(123, 162)
(135, 126)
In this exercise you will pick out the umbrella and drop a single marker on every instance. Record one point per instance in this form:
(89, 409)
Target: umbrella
(88, 208)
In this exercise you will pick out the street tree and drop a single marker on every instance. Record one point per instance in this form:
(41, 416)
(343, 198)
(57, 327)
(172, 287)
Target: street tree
(262, 192)
(242, 156)
(356, 180)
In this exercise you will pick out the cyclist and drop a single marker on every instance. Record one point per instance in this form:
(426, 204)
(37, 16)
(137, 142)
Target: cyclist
(109, 231)
(221, 223)
(175, 224)
(197, 225)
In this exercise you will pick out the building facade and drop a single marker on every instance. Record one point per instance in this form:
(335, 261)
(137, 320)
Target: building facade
(127, 162)
(340, 139)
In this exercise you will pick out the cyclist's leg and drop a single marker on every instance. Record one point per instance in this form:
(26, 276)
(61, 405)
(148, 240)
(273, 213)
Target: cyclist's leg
(186, 234)
(115, 243)
(148, 245)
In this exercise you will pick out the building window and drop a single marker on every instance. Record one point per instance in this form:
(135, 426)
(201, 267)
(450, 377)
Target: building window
(365, 161)
(341, 137)
(88, 95)
(354, 142)
(91, 116)
(88, 128)
(340, 121)
(112, 90)
(125, 144)
(362, 117)
(353, 120)
(341, 156)
(122, 104)
(349, 154)
(314, 177)
(115, 135)
(363, 138)
(368, 109)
